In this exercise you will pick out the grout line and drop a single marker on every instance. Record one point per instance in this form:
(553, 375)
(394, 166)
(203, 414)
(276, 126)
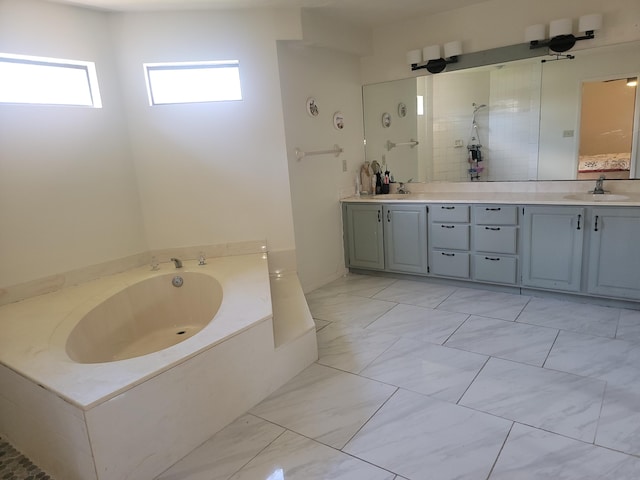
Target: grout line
(471, 383)
(549, 352)
(495, 462)
(369, 419)
(454, 332)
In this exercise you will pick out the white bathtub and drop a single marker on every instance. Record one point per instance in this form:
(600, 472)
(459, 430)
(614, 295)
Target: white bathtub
(120, 377)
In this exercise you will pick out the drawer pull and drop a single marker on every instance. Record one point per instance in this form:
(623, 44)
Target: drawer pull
(379, 216)
(495, 229)
(448, 226)
(448, 254)
(579, 218)
(496, 209)
(388, 215)
(448, 208)
(495, 259)
(596, 225)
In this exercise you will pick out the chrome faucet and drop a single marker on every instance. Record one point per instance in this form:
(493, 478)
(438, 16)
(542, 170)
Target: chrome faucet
(599, 190)
(177, 262)
(402, 189)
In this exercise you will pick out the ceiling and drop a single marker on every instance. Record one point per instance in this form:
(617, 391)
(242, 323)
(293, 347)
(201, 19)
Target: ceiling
(369, 13)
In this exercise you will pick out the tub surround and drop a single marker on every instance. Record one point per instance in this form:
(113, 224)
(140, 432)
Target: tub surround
(136, 417)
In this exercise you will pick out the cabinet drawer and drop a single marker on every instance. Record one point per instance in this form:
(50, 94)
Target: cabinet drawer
(450, 236)
(450, 264)
(495, 239)
(499, 269)
(495, 214)
(450, 213)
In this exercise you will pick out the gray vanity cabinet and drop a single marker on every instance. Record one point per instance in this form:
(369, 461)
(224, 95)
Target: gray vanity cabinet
(495, 243)
(614, 255)
(405, 238)
(364, 236)
(552, 243)
(449, 236)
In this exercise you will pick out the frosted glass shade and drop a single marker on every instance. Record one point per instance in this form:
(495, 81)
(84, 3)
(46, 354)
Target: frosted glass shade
(590, 22)
(431, 52)
(452, 49)
(414, 56)
(560, 27)
(534, 33)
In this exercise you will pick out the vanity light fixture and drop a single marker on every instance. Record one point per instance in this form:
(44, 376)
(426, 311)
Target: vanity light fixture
(431, 59)
(632, 82)
(561, 37)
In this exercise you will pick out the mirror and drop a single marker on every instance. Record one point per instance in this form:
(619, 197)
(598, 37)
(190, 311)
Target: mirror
(511, 121)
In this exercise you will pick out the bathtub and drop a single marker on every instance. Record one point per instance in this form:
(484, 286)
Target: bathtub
(120, 377)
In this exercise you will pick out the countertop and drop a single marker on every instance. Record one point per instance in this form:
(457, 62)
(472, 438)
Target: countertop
(516, 198)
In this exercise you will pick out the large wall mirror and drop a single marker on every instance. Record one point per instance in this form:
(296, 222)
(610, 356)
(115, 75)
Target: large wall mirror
(520, 120)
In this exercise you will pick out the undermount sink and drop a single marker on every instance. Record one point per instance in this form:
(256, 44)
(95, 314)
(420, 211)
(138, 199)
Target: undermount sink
(597, 197)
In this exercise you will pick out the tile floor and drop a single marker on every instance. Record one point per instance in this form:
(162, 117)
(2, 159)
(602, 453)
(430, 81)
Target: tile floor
(424, 381)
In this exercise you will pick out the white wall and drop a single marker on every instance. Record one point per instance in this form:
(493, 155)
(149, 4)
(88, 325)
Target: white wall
(216, 172)
(317, 182)
(68, 195)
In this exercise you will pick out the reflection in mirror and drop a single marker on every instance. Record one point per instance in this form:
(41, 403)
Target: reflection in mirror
(530, 130)
(606, 128)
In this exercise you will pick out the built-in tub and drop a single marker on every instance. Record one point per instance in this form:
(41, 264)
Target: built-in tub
(150, 315)
(71, 400)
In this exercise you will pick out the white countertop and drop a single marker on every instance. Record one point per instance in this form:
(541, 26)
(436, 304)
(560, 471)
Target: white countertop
(517, 198)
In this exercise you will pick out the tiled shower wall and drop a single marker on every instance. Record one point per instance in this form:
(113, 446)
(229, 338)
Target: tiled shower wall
(508, 129)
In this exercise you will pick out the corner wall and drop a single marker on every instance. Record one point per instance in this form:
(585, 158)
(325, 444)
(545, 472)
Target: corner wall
(318, 182)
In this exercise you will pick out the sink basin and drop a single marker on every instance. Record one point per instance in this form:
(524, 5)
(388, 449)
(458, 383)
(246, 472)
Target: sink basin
(591, 197)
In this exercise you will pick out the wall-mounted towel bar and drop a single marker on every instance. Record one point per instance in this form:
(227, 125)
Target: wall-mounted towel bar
(412, 143)
(337, 150)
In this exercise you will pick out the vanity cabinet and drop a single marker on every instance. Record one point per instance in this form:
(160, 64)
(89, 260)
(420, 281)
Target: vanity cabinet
(552, 244)
(614, 256)
(449, 235)
(386, 237)
(405, 238)
(364, 236)
(495, 243)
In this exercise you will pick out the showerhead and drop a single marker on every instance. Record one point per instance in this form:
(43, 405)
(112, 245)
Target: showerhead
(478, 107)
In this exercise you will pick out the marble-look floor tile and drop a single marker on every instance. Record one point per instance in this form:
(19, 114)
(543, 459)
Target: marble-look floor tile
(293, 457)
(559, 402)
(531, 454)
(420, 437)
(504, 306)
(573, 316)
(619, 425)
(500, 338)
(615, 361)
(351, 348)
(421, 323)
(226, 452)
(440, 372)
(354, 284)
(324, 404)
(629, 326)
(421, 294)
(320, 324)
(360, 311)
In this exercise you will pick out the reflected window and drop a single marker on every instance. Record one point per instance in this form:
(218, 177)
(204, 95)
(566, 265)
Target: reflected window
(193, 82)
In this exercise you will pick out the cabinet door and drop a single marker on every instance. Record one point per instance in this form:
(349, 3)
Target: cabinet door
(364, 236)
(405, 236)
(614, 256)
(552, 247)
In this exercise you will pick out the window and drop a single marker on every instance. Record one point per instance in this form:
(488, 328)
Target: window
(48, 81)
(193, 82)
